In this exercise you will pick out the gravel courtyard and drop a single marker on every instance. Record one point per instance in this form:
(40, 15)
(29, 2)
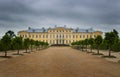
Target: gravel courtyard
(59, 62)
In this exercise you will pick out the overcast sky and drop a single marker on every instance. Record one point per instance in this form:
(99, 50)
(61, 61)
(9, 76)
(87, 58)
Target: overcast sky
(18, 15)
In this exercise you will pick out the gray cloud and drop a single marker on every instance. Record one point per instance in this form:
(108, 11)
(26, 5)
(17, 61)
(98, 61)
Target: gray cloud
(99, 14)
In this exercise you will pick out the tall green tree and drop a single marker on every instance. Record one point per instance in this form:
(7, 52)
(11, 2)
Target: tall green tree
(26, 43)
(86, 43)
(37, 44)
(6, 42)
(82, 44)
(18, 43)
(31, 44)
(116, 46)
(10, 34)
(111, 38)
(91, 42)
(104, 45)
(98, 41)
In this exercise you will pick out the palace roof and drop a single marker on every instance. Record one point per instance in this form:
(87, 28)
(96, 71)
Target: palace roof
(46, 29)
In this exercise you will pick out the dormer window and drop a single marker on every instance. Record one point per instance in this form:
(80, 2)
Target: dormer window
(29, 28)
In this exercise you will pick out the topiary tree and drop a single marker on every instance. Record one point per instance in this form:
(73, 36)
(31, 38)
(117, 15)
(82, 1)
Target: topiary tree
(37, 44)
(18, 42)
(116, 46)
(10, 34)
(82, 45)
(32, 44)
(91, 42)
(111, 38)
(86, 43)
(26, 43)
(5, 43)
(98, 41)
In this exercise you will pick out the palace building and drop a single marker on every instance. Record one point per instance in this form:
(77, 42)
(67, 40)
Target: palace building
(59, 35)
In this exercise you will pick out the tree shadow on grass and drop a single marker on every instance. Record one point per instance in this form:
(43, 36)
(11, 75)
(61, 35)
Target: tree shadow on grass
(18, 54)
(5, 56)
(108, 56)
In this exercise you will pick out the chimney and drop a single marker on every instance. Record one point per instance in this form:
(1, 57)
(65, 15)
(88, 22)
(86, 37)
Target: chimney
(64, 26)
(29, 28)
(55, 26)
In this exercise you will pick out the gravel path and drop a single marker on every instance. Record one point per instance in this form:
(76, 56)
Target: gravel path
(58, 62)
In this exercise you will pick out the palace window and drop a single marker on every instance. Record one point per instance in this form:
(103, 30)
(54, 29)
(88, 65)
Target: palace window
(90, 36)
(50, 42)
(66, 41)
(87, 36)
(57, 36)
(39, 36)
(32, 36)
(80, 36)
(43, 36)
(23, 35)
(69, 36)
(66, 36)
(76, 36)
(53, 41)
(69, 41)
(26, 36)
(83, 36)
(36, 36)
(73, 36)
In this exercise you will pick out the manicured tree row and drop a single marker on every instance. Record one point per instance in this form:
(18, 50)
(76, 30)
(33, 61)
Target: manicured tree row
(12, 42)
(111, 42)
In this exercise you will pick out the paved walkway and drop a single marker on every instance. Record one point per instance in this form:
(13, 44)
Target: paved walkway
(59, 62)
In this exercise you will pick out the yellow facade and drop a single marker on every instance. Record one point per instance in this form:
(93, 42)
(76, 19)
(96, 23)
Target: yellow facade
(59, 35)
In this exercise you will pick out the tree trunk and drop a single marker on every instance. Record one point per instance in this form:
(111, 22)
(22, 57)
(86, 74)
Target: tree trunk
(5, 53)
(31, 48)
(26, 50)
(98, 50)
(18, 52)
(86, 48)
(91, 48)
(36, 48)
(109, 52)
(82, 47)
